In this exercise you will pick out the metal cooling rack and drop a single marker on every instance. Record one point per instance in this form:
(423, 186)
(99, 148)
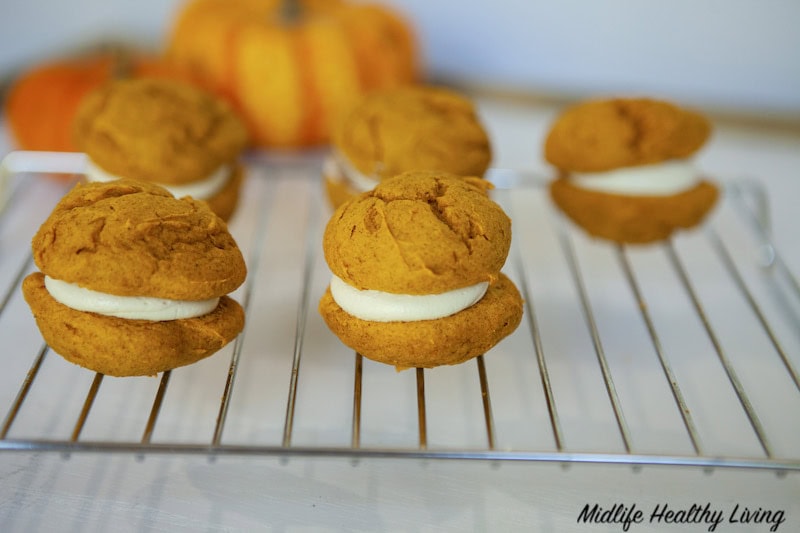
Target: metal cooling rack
(683, 353)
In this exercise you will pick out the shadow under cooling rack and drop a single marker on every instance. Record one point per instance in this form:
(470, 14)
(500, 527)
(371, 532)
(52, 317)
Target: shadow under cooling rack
(681, 353)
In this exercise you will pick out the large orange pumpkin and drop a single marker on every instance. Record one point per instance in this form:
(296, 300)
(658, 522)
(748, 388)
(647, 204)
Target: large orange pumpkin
(42, 102)
(290, 67)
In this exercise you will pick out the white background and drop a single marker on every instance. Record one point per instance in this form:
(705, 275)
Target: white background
(737, 55)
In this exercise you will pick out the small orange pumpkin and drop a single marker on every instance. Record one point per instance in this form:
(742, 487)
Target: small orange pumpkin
(42, 102)
(290, 67)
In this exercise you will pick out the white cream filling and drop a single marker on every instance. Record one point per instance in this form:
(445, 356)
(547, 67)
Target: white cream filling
(378, 306)
(660, 179)
(338, 168)
(199, 190)
(130, 307)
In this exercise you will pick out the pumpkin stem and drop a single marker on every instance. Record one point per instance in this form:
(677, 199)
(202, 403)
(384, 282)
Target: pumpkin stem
(290, 11)
(121, 63)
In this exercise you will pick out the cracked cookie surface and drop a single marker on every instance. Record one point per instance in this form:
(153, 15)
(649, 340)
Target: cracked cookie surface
(419, 233)
(414, 128)
(132, 238)
(158, 130)
(601, 135)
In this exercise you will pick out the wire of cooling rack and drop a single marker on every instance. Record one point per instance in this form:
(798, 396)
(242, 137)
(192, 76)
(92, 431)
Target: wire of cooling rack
(577, 278)
(423, 449)
(665, 365)
(253, 261)
(302, 313)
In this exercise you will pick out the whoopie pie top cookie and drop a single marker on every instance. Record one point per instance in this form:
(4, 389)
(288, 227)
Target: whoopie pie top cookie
(420, 232)
(131, 238)
(410, 128)
(600, 135)
(166, 132)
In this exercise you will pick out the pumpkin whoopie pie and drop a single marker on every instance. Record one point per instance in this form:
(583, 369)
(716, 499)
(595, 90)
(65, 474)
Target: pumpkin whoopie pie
(415, 127)
(624, 168)
(165, 132)
(133, 281)
(416, 271)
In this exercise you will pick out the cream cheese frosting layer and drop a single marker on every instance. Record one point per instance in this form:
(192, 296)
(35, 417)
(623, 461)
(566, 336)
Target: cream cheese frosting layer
(378, 306)
(339, 169)
(200, 190)
(129, 307)
(660, 179)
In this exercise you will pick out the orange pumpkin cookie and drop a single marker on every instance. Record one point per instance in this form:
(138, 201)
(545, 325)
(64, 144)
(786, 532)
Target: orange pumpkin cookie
(134, 281)
(624, 169)
(416, 271)
(412, 128)
(165, 132)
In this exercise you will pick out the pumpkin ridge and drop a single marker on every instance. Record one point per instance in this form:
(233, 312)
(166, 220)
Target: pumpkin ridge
(230, 84)
(311, 123)
(230, 77)
(369, 72)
